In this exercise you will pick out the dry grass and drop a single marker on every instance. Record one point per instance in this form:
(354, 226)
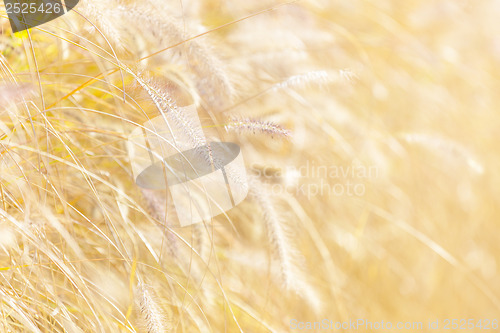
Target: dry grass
(315, 92)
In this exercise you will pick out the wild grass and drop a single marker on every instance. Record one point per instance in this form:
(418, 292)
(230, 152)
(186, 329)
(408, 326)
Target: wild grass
(408, 89)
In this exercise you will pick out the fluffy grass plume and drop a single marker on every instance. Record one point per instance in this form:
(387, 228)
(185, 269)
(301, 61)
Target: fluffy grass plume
(372, 161)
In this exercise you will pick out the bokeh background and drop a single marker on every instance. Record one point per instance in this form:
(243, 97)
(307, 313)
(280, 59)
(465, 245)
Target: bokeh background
(397, 101)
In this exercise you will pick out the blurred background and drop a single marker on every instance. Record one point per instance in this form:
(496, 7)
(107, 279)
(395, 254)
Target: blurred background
(369, 130)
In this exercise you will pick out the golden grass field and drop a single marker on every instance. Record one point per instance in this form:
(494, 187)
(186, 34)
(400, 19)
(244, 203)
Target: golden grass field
(370, 135)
